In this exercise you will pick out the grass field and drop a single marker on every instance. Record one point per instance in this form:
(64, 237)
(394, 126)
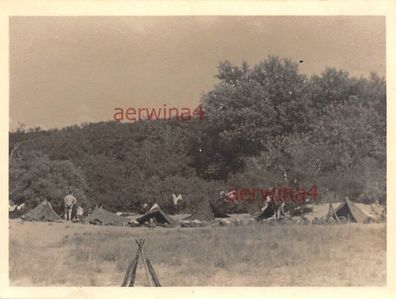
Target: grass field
(60, 254)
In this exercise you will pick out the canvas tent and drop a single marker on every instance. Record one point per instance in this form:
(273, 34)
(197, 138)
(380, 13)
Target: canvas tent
(350, 211)
(266, 213)
(202, 211)
(158, 215)
(104, 217)
(43, 212)
(219, 208)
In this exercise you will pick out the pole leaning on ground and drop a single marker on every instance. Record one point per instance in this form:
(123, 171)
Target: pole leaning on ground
(130, 275)
(140, 245)
(129, 279)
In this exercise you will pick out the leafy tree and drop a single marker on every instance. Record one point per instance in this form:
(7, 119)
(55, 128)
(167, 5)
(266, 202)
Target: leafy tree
(34, 177)
(248, 108)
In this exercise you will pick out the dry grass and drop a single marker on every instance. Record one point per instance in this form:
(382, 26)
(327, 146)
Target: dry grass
(252, 255)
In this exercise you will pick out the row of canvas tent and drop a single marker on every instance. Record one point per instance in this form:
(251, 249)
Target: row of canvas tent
(346, 210)
(203, 211)
(44, 212)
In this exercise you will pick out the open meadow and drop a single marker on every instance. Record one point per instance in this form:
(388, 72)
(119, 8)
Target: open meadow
(63, 254)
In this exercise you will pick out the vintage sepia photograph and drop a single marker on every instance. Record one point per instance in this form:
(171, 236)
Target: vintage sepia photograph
(187, 151)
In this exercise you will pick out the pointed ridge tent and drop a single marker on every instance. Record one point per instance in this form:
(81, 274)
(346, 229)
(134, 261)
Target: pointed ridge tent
(158, 214)
(268, 212)
(219, 209)
(104, 217)
(202, 211)
(349, 210)
(43, 212)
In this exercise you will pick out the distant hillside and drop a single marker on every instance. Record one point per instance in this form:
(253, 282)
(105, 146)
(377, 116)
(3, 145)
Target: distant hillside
(266, 125)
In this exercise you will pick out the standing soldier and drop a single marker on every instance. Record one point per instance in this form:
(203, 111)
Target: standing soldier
(70, 201)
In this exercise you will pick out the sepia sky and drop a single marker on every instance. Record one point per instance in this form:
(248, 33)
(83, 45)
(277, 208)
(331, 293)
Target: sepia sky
(70, 70)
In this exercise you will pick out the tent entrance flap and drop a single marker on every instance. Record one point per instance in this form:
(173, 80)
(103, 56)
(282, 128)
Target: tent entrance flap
(158, 215)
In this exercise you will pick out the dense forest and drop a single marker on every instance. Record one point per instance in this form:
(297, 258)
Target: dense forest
(265, 125)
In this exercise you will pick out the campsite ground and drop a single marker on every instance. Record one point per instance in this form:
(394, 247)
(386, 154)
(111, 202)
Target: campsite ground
(62, 254)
